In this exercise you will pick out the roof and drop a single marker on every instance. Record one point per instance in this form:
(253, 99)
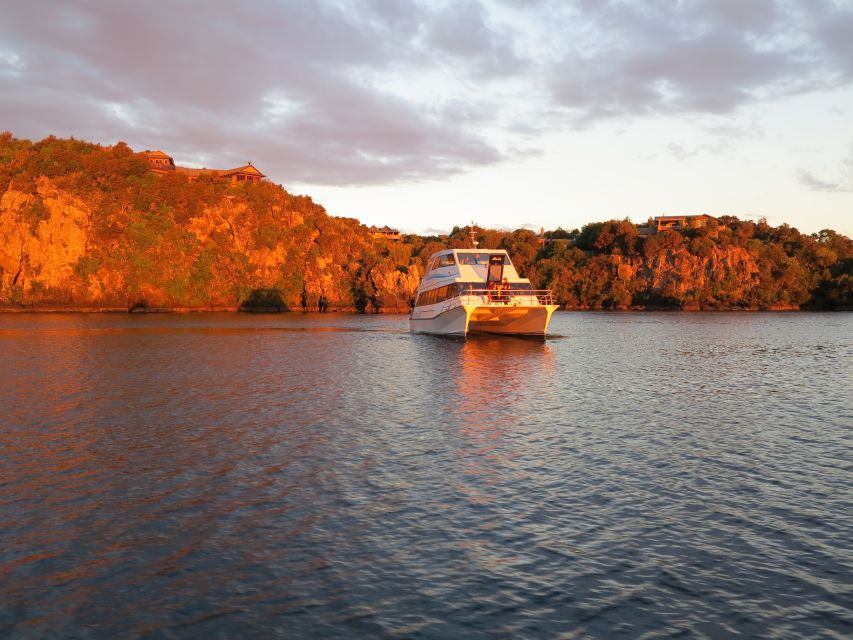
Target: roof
(248, 168)
(684, 217)
(190, 171)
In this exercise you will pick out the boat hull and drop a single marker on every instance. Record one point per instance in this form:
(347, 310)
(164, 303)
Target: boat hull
(503, 320)
(449, 323)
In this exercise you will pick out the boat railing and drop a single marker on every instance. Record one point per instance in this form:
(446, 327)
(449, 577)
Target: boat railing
(506, 297)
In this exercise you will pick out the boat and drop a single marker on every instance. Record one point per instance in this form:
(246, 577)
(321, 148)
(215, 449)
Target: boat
(478, 291)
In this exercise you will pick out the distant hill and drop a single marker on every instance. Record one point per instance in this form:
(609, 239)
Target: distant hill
(726, 264)
(86, 226)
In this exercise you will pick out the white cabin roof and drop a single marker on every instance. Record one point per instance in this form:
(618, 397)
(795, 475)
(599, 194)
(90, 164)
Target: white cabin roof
(467, 265)
(484, 252)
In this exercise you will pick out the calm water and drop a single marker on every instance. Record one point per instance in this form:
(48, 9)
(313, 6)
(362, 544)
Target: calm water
(234, 476)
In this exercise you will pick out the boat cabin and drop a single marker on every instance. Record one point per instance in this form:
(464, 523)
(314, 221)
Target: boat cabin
(468, 273)
(470, 265)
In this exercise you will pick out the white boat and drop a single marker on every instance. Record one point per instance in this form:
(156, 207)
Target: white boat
(479, 290)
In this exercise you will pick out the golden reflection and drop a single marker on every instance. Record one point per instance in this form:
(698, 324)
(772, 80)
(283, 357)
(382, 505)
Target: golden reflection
(501, 383)
(495, 379)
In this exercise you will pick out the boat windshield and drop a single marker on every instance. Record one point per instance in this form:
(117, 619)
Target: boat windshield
(445, 260)
(477, 258)
(477, 288)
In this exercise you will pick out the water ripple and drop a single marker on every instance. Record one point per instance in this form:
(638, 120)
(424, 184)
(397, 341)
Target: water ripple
(644, 476)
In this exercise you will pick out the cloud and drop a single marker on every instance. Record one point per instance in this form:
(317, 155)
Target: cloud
(752, 15)
(433, 231)
(463, 30)
(682, 153)
(345, 92)
(290, 84)
(815, 184)
(722, 135)
(696, 56)
(844, 184)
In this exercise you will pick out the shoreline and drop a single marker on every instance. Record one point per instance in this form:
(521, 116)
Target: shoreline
(35, 309)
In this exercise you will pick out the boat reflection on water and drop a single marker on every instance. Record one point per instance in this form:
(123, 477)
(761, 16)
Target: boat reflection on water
(489, 415)
(490, 404)
(492, 376)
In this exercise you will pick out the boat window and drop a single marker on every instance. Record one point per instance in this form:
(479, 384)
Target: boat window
(465, 288)
(434, 296)
(479, 258)
(446, 260)
(440, 294)
(496, 268)
(435, 263)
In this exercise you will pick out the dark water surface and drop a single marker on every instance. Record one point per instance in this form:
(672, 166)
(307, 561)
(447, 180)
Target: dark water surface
(290, 476)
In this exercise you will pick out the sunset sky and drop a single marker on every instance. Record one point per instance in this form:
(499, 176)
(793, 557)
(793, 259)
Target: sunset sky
(425, 115)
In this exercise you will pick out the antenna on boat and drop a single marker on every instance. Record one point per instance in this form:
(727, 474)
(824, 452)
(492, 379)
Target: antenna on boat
(473, 235)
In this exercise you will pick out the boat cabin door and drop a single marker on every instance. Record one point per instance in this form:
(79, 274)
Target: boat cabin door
(496, 268)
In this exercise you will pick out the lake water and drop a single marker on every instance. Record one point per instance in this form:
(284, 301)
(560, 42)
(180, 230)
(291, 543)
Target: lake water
(638, 475)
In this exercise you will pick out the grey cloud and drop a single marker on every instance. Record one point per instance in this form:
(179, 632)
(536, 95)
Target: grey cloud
(681, 153)
(710, 73)
(699, 56)
(844, 184)
(816, 184)
(312, 91)
(196, 80)
(741, 14)
(835, 35)
(462, 29)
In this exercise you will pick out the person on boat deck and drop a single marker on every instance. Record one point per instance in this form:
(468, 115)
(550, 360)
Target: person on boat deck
(492, 291)
(503, 291)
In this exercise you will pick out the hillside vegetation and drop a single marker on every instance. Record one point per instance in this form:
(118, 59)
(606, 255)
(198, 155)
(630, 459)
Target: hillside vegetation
(86, 226)
(89, 226)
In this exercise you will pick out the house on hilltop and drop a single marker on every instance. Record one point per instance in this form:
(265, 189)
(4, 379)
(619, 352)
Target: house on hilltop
(386, 232)
(542, 239)
(680, 223)
(162, 163)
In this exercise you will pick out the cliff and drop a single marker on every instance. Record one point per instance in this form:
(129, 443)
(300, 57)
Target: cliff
(85, 226)
(121, 237)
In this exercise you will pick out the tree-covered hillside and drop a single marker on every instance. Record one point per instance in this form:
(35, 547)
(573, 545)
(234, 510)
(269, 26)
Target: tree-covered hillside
(86, 226)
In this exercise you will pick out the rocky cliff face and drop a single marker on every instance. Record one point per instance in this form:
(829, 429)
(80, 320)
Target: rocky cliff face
(39, 253)
(676, 274)
(57, 249)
